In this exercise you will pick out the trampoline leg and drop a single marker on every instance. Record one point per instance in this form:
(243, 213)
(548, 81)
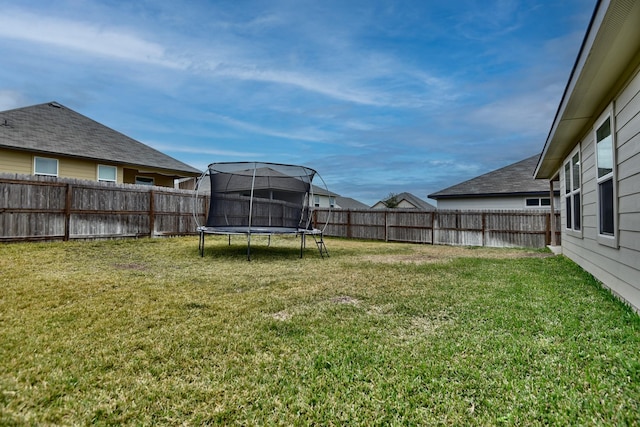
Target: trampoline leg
(201, 244)
(301, 244)
(229, 236)
(248, 247)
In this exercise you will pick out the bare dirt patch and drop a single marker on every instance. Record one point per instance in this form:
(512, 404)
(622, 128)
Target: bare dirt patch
(435, 254)
(282, 315)
(133, 266)
(344, 300)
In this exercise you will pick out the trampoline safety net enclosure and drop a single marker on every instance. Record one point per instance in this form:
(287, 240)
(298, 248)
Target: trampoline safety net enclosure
(259, 198)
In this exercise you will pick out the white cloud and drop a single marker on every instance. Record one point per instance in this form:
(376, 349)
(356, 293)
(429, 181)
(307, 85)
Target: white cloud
(84, 37)
(202, 151)
(10, 99)
(349, 75)
(307, 134)
(525, 114)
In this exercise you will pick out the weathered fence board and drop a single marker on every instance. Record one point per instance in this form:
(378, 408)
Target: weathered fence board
(467, 228)
(44, 208)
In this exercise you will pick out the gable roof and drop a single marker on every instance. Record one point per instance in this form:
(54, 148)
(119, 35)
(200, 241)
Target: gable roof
(512, 180)
(410, 198)
(349, 203)
(609, 53)
(54, 129)
(416, 201)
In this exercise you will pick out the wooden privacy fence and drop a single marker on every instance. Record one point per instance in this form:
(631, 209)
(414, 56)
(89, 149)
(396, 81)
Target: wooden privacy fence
(45, 208)
(469, 228)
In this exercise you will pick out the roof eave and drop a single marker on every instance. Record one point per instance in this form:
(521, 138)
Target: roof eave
(483, 195)
(165, 171)
(607, 52)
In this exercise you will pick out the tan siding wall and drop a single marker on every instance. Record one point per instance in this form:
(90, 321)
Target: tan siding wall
(129, 177)
(16, 162)
(20, 162)
(78, 169)
(618, 268)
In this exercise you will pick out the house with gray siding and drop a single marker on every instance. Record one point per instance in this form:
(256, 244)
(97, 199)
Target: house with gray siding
(592, 152)
(510, 188)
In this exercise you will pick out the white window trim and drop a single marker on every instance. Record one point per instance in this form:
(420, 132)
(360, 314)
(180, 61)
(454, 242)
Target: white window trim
(35, 172)
(605, 239)
(572, 231)
(106, 166)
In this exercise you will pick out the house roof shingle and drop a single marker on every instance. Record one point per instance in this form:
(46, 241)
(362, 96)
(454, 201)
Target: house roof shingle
(54, 129)
(349, 203)
(512, 180)
(410, 198)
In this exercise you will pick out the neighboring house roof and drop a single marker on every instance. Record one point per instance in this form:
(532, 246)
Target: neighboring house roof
(349, 203)
(610, 48)
(343, 202)
(54, 129)
(409, 198)
(512, 180)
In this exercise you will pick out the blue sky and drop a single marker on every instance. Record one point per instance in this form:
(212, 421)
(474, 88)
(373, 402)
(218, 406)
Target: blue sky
(379, 97)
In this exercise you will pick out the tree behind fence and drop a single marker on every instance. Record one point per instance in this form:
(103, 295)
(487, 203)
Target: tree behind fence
(45, 208)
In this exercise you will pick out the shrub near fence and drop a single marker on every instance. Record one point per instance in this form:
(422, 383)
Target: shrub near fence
(468, 228)
(46, 208)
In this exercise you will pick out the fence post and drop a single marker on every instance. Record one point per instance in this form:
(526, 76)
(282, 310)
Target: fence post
(67, 212)
(152, 216)
(349, 223)
(547, 229)
(484, 226)
(432, 225)
(386, 226)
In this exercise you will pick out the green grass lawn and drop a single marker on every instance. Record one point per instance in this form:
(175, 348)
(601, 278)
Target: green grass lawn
(147, 332)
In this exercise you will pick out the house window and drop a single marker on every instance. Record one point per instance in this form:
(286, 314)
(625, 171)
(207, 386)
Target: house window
(535, 202)
(605, 161)
(332, 202)
(45, 166)
(316, 201)
(573, 215)
(144, 180)
(107, 173)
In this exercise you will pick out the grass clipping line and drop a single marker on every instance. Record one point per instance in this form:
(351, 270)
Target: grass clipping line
(147, 332)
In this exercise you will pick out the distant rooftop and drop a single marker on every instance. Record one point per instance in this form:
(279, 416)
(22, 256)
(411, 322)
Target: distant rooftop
(512, 180)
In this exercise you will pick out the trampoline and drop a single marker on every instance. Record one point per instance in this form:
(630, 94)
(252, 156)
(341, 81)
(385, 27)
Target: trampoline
(258, 198)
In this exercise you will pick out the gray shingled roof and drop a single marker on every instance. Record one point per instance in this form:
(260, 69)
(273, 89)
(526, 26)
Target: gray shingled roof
(349, 203)
(416, 201)
(413, 199)
(515, 179)
(54, 129)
